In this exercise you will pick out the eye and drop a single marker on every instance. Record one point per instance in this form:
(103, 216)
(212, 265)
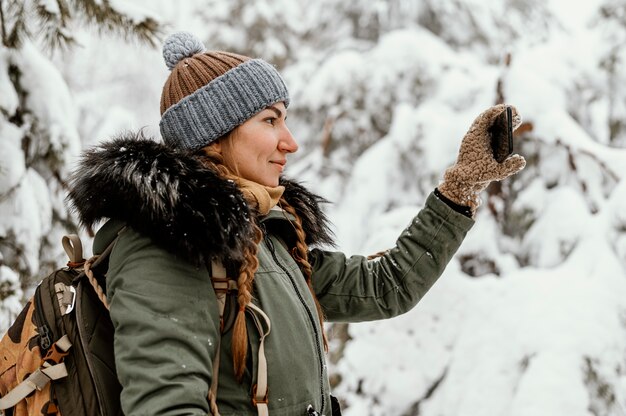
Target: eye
(270, 120)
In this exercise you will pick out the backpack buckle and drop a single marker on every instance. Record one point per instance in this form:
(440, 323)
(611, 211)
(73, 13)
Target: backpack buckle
(57, 352)
(258, 400)
(66, 295)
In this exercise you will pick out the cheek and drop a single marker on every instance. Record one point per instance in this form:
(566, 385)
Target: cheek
(264, 148)
(252, 151)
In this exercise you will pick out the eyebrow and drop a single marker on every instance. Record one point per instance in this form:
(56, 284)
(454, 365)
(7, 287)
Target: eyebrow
(279, 113)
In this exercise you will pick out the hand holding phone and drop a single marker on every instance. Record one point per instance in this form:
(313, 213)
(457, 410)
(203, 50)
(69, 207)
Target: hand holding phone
(478, 163)
(501, 132)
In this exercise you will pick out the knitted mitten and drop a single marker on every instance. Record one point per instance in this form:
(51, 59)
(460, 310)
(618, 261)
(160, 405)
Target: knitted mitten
(475, 166)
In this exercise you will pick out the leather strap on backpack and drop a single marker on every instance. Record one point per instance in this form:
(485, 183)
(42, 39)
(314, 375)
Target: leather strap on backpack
(222, 285)
(74, 249)
(260, 390)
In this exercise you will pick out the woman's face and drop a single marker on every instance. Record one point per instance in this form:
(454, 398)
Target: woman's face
(258, 148)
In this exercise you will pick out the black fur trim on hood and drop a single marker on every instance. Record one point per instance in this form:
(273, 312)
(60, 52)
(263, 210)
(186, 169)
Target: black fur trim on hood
(171, 197)
(314, 221)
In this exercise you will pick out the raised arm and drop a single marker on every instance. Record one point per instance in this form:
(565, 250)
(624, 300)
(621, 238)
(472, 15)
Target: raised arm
(357, 289)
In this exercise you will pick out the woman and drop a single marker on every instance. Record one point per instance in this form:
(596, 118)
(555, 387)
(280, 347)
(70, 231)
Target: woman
(213, 196)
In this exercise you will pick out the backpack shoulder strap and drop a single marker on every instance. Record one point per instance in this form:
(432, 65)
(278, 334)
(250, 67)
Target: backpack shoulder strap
(222, 285)
(260, 389)
(93, 262)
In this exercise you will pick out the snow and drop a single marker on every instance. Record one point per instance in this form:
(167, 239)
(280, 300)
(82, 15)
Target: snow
(27, 215)
(8, 98)
(50, 6)
(11, 305)
(50, 102)
(12, 165)
(134, 13)
(39, 142)
(515, 345)
(530, 317)
(368, 170)
(551, 238)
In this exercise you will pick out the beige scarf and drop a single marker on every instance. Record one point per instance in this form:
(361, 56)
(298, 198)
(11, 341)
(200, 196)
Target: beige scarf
(260, 196)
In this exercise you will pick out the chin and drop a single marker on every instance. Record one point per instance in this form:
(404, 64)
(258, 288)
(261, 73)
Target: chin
(268, 182)
(273, 181)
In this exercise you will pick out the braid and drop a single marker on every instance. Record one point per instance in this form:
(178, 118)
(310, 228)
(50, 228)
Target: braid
(300, 254)
(214, 160)
(244, 297)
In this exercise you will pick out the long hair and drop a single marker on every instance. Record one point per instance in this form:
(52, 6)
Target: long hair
(248, 267)
(245, 275)
(300, 254)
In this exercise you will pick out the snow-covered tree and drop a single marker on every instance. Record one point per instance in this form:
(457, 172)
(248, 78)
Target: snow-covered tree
(611, 21)
(38, 132)
(530, 316)
(513, 326)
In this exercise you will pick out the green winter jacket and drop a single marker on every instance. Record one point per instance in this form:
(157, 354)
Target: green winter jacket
(164, 309)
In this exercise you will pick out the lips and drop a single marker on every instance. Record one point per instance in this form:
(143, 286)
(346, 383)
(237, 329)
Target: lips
(280, 163)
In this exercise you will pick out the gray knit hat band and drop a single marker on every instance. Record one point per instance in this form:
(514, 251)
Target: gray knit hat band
(223, 104)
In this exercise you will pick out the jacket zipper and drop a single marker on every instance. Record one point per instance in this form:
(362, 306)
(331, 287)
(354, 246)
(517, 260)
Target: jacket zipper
(308, 311)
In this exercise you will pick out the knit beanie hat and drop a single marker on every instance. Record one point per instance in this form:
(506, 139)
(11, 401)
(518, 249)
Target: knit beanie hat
(209, 93)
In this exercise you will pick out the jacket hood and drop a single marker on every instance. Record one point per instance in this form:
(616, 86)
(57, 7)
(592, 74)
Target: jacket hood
(171, 197)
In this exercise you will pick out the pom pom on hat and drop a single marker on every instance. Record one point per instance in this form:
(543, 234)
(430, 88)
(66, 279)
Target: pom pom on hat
(179, 46)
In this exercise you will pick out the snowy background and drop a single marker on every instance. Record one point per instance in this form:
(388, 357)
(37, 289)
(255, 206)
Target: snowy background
(529, 318)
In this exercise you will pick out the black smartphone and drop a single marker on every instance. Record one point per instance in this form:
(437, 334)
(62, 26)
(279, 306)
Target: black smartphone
(501, 132)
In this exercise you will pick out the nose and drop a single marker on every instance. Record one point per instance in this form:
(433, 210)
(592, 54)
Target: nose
(287, 143)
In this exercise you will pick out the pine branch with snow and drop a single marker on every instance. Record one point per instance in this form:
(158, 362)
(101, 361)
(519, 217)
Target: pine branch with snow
(119, 17)
(38, 126)
(51, 20)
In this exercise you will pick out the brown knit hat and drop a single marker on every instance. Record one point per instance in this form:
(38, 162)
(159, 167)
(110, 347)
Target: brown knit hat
(209, 93)
(195, 72)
